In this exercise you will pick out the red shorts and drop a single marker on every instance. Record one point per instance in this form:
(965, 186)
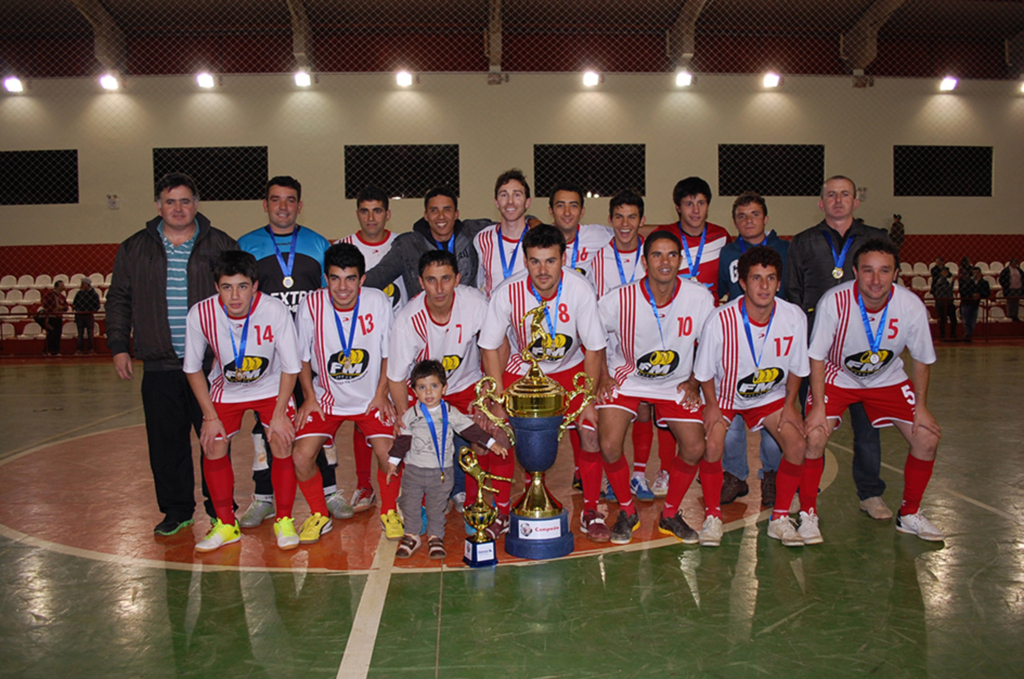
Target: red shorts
(754, 417)
(883, 405)
(370, 425)
(564, 379)
(231, 414)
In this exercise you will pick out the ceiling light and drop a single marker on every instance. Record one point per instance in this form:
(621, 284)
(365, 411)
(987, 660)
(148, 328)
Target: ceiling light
(205, 80)
(772, 79)
(303, 79)
(684, 79)
(591, 79)
(14, 84)
(948, 84)
(110, 81)
(404, 79)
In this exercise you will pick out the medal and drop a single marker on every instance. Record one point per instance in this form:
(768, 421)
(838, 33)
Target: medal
(654, 309)
(575, 249)
(840, 257)
(874, 358)
(874, 338)
(837, 273)
(346, 347)
(691, 262)
(288, 281)
(239, 350)
(506, 267)
(618, 261)
(286, 266)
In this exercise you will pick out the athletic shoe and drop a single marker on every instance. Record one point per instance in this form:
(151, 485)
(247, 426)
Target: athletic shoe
(220, 534)
(917, 524)
(768, 489)
(784, 530)
(625, 526)
(362, 499)
(577, 483)
(314, 527)
(660, 487)
(258, 512)
(678, 527)
(435, 546)
(641, 491)
(284, 529)
(498, 527)
(171, 526)
(394, 529)
(459, 502)
(339, 506)
(607, 493)
(407, 546)
(732, 488)
(809, 531)
(593, 526)
(711, 532)
(875, 508)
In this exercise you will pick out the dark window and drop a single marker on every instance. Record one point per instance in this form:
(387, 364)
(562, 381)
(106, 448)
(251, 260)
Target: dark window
(403, 170)
(771, 169)
(220, 172)
(604, 169)
(39, 177)
(942, 170)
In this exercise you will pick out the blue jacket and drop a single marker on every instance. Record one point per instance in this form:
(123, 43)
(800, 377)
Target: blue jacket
(728, 260)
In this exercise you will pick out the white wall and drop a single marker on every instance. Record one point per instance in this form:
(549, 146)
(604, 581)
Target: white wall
(496, 127)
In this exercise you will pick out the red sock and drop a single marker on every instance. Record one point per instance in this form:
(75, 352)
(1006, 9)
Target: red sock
(711, 485)
(666, 449)
(618, 478)
(388, 491)
(643, 437)
(916, 474)
(282, 476)
(220, 479)
(809, 482)
(313, 490)
(577, 448)
(362, 454)
(680, 478)
(590, 474)
(786, 482)
(502, 466)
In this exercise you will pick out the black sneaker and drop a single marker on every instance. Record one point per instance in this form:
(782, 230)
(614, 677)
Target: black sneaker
(577, 483)
(171, 526)
(622, 531)
(676, 526)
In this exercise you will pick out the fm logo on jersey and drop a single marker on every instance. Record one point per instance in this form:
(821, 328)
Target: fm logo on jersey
(760, 382)
(557, 350)
(451, 363)
(353, 367)
(861, 366)
(253, 368)
(657, 363)
(394, 294)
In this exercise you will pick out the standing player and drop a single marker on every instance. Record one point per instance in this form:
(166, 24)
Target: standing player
(751, 360)
(861, 329)
(582, 241)
(498, 246)
(654, 325)
(577, 343)
(258, 374)
(289, 261)
(702, 240)
(343, 338)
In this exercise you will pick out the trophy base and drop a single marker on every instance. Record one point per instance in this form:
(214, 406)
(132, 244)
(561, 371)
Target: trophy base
(480, 554)
(539, 538)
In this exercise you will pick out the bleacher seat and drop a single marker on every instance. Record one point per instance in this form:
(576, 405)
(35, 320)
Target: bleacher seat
(71, 295)
(906, 269)
(996, 268)
(953, 267)
(26, 281)
(69, 330)
(919, 283)
(8, 331)
(13, 296)
(32, 331)
(43, 280)
(997, 315)
(106, 280)
(921, 269)
(992, 283)
(76, 280)
(19, 311)
(4, 311)
(96, 279)
(8, 282)
(32, 296)
(61, 277)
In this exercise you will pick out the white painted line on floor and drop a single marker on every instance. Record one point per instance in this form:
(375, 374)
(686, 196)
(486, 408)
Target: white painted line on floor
(355, 664)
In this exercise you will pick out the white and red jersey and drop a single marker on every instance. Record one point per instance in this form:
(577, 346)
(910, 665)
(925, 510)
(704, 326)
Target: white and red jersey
(725, 355)
(841, 341)
(345, 386)
(271, 348)
(646, 362)
(603, 268)
(715, 239)
(575, 317)
(373, 253)
(490, 245)
(589, 239)
(416, 336)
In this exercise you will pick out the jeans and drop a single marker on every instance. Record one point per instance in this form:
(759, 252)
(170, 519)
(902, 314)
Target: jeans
(734, 460)
(970, 316)
(85, 328)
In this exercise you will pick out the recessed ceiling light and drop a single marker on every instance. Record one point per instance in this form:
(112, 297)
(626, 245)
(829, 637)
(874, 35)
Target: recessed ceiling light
(404, 79)
(303, 79)
(205, 80)
(14, 84)
(591, 79)
(684, 79)
(948, 84)
(772, 79)
(109, 81)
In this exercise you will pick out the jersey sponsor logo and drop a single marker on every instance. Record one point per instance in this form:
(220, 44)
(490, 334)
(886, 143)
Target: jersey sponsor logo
(353, 367)
(291, 298)
(557, 350)
(253, 368)
(760, 382)
(451, 363)
(657, 363)
(580, 270)
(394, 294)
(861, 366)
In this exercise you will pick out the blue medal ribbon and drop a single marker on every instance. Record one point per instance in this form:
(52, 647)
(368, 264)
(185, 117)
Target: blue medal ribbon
(552, 326)
(618, 262)
(874, 339)
(750, 337)
(239, 350)
(838, 258)
(286, 266)
(448, 245)
(575, 248)
(346, 347)
(744, 246)
(506, 268)
(654, 308)
(439, 445)
(693, 265)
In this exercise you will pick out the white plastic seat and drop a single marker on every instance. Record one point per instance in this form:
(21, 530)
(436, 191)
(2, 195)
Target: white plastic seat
(13, 296)
(76, 280)
(953, 267)
(26, 281)
(8, 282)
(19, 310)
(919, 283)
(906, 269)
(997, 315)
(985, 270)
(96, 279)
(8, 330)
(71, 295)
(32, 296)
(4, 311)
(69, 330)
(43, 280)
(921, 269)
(32, 331)
(61, 277)
(991, 282)
(106, 280)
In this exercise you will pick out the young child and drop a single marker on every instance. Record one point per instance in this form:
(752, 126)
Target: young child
(425, 444)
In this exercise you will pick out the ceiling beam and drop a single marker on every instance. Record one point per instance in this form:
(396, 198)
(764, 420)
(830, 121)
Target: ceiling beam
(108, 39)
(858, 47)
(1015, 54)
(681, 38)
(301, 45)
(494, 29)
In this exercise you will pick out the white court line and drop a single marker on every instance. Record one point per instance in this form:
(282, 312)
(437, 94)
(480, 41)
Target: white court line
(960, 496)
(355, 664)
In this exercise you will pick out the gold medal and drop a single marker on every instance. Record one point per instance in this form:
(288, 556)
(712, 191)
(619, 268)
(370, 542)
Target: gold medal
(837, 273)
(442, 476)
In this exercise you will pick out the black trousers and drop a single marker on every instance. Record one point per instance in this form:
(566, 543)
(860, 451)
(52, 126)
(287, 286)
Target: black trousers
(85, 328)
(54, 326)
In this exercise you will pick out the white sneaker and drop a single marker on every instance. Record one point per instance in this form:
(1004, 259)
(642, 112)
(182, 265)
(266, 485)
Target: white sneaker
(339, 506)
(284, 530)
(363, 499)
(258, 512)
(917, 524)
(784, 530)
(808, 529)
(660, 486)
(711, 532)
(459, 502)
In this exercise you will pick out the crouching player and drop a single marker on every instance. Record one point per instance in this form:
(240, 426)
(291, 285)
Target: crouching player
(343, 338)
(255, 363)
(751, 360)
(860, 330)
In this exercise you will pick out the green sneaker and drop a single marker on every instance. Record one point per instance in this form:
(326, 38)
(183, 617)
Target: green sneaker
(171, 526)
(220, 534)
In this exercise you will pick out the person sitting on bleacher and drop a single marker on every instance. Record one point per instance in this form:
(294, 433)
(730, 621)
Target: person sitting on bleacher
(54, 304)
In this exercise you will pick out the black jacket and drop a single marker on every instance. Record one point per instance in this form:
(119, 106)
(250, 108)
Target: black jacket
(137, 299)
(1004, 278)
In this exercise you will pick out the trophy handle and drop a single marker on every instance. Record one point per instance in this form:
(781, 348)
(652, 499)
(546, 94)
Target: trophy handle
(484, 392)
(471, 465)
(583, 386)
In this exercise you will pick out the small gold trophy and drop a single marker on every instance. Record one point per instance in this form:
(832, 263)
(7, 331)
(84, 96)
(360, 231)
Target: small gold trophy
(479, 549)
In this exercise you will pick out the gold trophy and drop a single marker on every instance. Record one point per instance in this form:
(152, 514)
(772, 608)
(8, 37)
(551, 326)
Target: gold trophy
(537, 407)
(479, 549)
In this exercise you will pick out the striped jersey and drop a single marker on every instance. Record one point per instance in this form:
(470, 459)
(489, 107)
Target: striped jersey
(725, 355)
(603, 268)
(345, 386)
(647, 361)
(271, 348)
(575, 318)
(177, 287)
(373, 253)
(589, 239)
(489, 270)
(841, 341)
(707, 267)
(415, 336)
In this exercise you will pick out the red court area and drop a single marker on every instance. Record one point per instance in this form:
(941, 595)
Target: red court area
(95, 493)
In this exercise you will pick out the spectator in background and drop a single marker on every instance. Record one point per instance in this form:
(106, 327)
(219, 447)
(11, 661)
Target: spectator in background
(972, 291)
(940, 262)
(1011, 280)
(86, 304)
(54, 304)
(945, 305)
(896, 232)
(966, 272)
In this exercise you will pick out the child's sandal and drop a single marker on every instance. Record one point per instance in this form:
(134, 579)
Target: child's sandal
(436, 547)
(407, 545)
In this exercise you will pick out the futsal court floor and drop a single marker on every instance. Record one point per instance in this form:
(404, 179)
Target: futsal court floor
(89, 591)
